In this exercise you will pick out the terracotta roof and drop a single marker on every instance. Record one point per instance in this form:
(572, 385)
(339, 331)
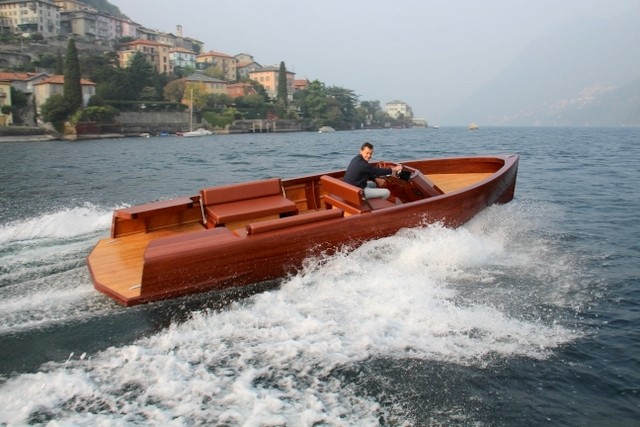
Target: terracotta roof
(268, 68)
(19, 76)
(59, 79)
(219, 54)
(248, 64)
(181, 49)
(145, 42)
(202, 77)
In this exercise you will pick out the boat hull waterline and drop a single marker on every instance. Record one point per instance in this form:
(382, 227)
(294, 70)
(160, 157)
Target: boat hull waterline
(240, 234)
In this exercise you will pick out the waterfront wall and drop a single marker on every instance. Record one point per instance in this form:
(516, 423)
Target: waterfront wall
(153, 122)
(135, 123)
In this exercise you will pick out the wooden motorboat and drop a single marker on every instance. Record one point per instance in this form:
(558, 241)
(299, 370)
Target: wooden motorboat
(239, 234)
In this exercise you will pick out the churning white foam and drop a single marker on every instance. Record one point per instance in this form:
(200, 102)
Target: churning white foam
(64, 223)
(42, 266)
(269, 360)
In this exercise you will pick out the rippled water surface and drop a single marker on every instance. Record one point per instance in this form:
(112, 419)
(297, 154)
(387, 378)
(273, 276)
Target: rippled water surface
(527, 315)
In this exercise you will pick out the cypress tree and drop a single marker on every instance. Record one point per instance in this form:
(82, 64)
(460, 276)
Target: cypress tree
(59, 63)
(72, 86)
(282, 85)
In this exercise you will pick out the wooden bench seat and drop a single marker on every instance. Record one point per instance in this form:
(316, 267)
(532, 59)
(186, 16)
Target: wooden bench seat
(292, 221)
(239, 202)
(349, 198)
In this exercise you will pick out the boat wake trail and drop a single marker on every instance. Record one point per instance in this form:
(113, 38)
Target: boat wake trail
(43, 276)
(467, 296)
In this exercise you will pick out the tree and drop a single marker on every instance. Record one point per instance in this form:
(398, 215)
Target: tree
(282, 86)
(174, 91)
(59, 63)
(217, 101)
(149, 93)
(19, 104)
(216, 72)
(370, 114)
(114, 85)
(334, 106)
(99, 68)
(313, 101)
(195, 94)
(139, 73)
(252, 106)
(97, 114)
(55, 110)
(346, 101)
(72, 86)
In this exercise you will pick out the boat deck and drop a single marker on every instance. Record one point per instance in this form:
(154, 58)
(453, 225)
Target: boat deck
(451, 182)
(118, 262)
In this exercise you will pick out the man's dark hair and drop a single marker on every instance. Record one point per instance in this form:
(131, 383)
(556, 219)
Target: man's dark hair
(367, 145)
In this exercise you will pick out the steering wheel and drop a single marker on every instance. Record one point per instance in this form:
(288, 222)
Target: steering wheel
(385, 164)
(395, 177)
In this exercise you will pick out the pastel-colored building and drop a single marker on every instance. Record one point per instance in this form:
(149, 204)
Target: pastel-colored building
(225, 64)
(23, 81)
(396, 109)
(235, 90)
(211, 85)
(55, 86)
(31, 17)
(182, 58)
(87, 23)
(243, 69)
(155, 53)
(268, 77)
(300, 84)
(5, 101)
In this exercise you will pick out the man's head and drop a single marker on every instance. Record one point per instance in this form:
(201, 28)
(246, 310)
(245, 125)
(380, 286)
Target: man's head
(366, 151)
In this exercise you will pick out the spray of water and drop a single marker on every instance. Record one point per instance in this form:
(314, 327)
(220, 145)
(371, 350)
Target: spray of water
(431, 293)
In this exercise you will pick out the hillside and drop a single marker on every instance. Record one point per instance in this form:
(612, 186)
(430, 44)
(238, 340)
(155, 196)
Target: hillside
(104, 6)
(585, 74)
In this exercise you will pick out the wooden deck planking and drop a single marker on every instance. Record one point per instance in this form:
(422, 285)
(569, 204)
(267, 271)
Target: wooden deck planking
(451, 182)
(117, 263)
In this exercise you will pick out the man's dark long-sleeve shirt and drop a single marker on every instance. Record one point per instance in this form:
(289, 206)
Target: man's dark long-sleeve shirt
(360, 171)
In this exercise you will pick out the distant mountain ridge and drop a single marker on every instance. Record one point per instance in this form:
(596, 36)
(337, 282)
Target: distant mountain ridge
(587, 73)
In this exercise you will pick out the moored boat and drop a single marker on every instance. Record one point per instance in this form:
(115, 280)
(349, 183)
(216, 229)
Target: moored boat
(197, 132)
(238, 234)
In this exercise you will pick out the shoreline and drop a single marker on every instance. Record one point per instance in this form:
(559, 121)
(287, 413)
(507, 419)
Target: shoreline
(28, 138)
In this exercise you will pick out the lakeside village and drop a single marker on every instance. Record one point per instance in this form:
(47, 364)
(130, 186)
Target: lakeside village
(68, 70)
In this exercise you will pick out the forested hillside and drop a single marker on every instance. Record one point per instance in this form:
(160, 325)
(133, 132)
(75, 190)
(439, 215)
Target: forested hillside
(104, 6)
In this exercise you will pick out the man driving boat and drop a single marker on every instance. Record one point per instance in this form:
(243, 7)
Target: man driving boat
(363, 174)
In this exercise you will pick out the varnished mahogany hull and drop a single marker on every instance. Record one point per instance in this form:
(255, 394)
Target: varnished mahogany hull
(231, 260)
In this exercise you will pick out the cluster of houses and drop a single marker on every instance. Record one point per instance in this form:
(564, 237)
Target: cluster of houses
(60, 19)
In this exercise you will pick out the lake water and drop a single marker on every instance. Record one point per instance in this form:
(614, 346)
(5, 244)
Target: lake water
(527, 315)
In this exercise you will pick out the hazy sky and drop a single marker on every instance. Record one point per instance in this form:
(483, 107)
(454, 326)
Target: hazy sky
(431, 54)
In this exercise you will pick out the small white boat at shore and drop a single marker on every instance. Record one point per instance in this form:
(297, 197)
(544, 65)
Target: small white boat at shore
(198, 132)
(326, 129)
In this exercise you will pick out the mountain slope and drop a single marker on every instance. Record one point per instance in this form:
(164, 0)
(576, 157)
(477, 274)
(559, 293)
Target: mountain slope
(584, 74)
(104, 6)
